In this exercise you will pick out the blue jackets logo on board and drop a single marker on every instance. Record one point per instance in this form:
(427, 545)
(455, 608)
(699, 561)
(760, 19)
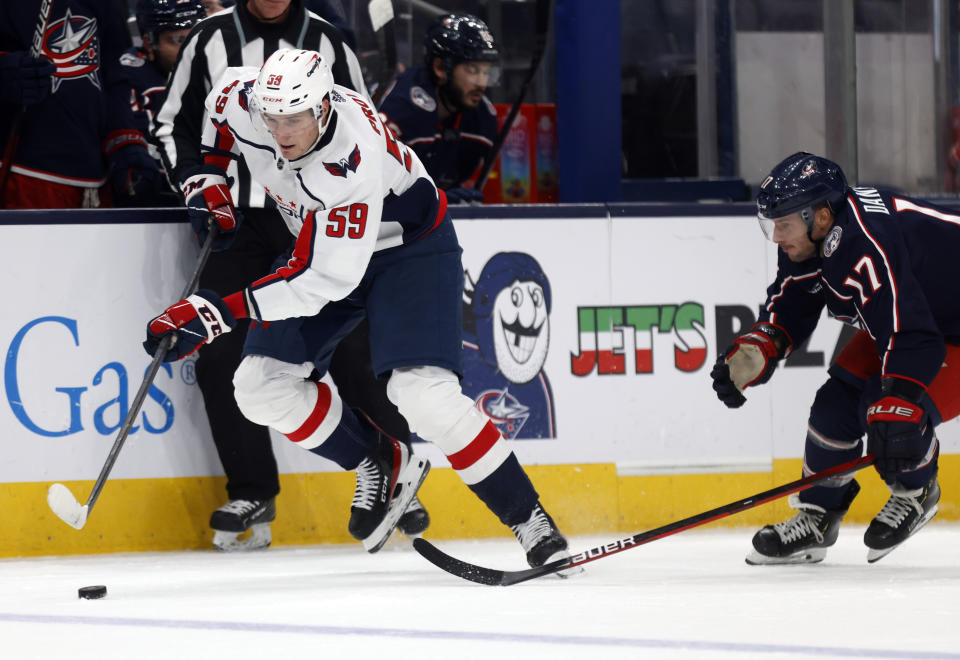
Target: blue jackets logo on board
(506, 339)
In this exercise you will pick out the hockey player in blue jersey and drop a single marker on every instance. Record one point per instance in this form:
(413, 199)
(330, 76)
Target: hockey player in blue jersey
(374, 241)
(76, 131)
(886, 264)
(164, 26)
(440, 110)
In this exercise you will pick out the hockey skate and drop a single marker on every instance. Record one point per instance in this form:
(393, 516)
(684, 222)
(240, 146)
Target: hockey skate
(236, 517)
(415, 519)
(542, 541)
(804, 538)
(901, 517)
(387, 482)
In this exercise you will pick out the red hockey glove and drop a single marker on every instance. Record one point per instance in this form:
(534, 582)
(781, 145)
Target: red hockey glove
(199, 319)
(208, 195)
(749, 360)
(899, 432)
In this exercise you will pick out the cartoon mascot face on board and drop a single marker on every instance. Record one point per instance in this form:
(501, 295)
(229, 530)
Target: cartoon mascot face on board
(511, 304)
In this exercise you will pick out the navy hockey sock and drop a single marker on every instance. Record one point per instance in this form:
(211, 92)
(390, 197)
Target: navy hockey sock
(349, 443)
(508, 492)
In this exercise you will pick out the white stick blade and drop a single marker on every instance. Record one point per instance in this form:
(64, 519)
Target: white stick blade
(65, 505)
(381, 13)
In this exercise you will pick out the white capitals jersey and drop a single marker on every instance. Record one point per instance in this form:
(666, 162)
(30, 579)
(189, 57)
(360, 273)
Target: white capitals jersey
(358, 191)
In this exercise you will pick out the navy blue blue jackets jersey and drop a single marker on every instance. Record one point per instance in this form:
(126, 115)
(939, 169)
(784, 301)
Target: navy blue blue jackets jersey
(61, 137)
(889, 266)
(148, 91)
(451, 151)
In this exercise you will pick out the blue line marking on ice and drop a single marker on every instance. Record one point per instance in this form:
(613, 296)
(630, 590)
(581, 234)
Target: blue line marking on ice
(621, 642)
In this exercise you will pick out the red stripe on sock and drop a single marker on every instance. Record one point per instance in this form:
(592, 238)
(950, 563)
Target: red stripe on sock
(477, 448)
(316, 417)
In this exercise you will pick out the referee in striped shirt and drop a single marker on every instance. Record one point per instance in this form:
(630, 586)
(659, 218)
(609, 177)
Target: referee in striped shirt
(245, 35)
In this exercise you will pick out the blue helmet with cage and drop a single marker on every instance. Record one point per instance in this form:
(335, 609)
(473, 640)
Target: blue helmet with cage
(456, 38)
(799, 184)
(156, 16)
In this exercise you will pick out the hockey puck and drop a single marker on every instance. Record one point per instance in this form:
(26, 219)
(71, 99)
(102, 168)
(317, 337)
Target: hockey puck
(92, 593)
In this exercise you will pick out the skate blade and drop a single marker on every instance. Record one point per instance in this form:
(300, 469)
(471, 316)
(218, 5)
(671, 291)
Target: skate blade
(810, 556)
(258, 539)
(875, 555)
(410, 479)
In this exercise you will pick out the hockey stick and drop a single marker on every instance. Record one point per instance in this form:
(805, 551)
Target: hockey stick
(540, 45)
(59, 498)
(381, 18)
(13, 139)
(492, 576)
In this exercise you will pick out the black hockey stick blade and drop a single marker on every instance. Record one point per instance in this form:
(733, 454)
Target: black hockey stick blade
(492, 576)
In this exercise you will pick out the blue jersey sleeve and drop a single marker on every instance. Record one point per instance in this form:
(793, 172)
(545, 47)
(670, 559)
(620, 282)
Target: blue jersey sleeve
(794, 299)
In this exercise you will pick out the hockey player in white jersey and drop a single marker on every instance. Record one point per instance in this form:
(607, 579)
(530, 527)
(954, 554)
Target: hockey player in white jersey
(373, 239)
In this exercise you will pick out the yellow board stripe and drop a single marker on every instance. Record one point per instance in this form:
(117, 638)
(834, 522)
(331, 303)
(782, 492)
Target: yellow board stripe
(173, 514)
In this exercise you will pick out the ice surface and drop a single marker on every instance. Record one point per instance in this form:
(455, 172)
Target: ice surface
(687, 596)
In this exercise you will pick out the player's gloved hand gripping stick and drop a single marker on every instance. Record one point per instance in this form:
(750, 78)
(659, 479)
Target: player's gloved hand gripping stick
(59, 498)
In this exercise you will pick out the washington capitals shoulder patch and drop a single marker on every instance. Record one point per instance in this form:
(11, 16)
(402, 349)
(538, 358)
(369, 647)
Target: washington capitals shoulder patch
(349, 163)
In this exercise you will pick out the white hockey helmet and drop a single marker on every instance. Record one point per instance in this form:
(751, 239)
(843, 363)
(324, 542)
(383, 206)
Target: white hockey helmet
(291, 81)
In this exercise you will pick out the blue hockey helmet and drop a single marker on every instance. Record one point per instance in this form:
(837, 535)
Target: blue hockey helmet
(456, 38)
(156, 16)
(799, 184)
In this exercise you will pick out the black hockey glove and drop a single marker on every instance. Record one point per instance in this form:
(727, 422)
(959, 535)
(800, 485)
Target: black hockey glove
(899, 431)
(135, 177)
(25, 80)
(749, 360)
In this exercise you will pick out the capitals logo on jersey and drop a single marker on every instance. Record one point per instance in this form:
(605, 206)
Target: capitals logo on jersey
(506, 339)
(348, 164)
(71, 43)
(243, 96)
